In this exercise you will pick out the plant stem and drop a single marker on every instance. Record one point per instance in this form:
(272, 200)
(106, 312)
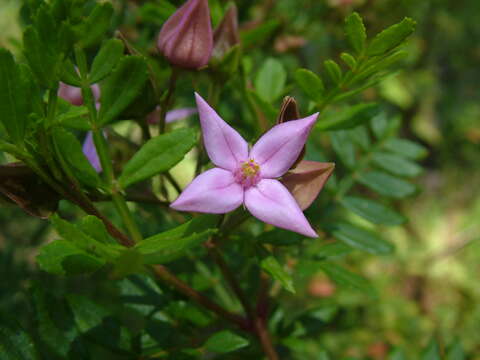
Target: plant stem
(172, 181)
(127, 217)
(165, 103)
(265, 339)
(217, 256)
(163, 273)
(102, 149)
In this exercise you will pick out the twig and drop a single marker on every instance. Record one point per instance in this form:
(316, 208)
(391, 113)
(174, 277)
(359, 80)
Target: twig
(217, 256)
(163, 273)
(265, 339)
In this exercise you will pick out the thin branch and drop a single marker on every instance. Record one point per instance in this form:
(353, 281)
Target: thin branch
(163, 273)
(265, 339)
(217, 256)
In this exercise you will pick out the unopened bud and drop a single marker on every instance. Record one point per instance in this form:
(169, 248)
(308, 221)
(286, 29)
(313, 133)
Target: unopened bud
(226, 35)
(73, 94)
(186, 38)
(289, 111)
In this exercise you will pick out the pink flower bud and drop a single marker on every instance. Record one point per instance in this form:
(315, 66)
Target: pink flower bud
(186, 38)
(74, 94)
(226, 34)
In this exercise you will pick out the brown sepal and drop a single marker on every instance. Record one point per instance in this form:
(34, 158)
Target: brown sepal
(307, 180)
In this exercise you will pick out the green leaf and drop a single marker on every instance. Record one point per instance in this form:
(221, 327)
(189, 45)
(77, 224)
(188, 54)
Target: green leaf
(259, 34)
(106, 60)
(71, 150)
(396, 164)
(225, 341)
(15, 343)
(55, 324)
(361, 239)
(87, 314)
(344, 147)
(270, 264)
(129, 262)
(83, 241)
(332, 250)
(310, 83)
(456, 352)
(391, 37)
(348, 117)
(270, 80)
(333, 70)
(323, 355)
(349, 60)
(68, 115)
(372, 211)
(14, 98)
(69, 75)
(355, 32)
(386, 185)
(432, 352)
(96, 24)
(406, 148)
(42, 62)
(280, 237)
(157, 155)
(346, 278)
(95, 228)
(62, 257)
(122, 87)
(360, 136)
(264, 106)
(172, 244)
(397, 354)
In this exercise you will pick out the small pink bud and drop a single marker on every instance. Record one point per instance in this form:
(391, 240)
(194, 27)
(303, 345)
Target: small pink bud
(186, 38)
(306, 180)
(73, 94)
(226, 34)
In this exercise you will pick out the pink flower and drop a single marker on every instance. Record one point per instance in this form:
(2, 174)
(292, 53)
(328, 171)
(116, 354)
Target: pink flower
(248, 177)
(171, 116)
(90, 152)
(186, 38)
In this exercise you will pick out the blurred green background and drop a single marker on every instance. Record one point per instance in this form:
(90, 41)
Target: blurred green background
(430, 288)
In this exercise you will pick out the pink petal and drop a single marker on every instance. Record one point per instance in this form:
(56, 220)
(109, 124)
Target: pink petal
(225, 146)
(277, 150)
(171, 116)
(271, 202)
(215, 191)
(178, 114)
(90, 152)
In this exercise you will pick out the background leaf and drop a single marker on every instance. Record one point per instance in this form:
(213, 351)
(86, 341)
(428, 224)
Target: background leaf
(270, 80)
(157, 155)
(225, 342)
(361, 239)
(122, 87)
(373, 211)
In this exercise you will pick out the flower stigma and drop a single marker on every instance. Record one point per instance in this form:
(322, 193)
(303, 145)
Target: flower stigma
(248, 173)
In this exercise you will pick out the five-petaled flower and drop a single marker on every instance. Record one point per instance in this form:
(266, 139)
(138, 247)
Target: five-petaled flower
(248, 176)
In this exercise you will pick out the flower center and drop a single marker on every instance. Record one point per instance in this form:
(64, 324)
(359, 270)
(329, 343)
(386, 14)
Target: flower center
(247, 173)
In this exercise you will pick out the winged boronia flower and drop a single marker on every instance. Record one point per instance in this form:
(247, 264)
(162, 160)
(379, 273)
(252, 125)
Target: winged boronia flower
(186, 38)
(248, 176)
